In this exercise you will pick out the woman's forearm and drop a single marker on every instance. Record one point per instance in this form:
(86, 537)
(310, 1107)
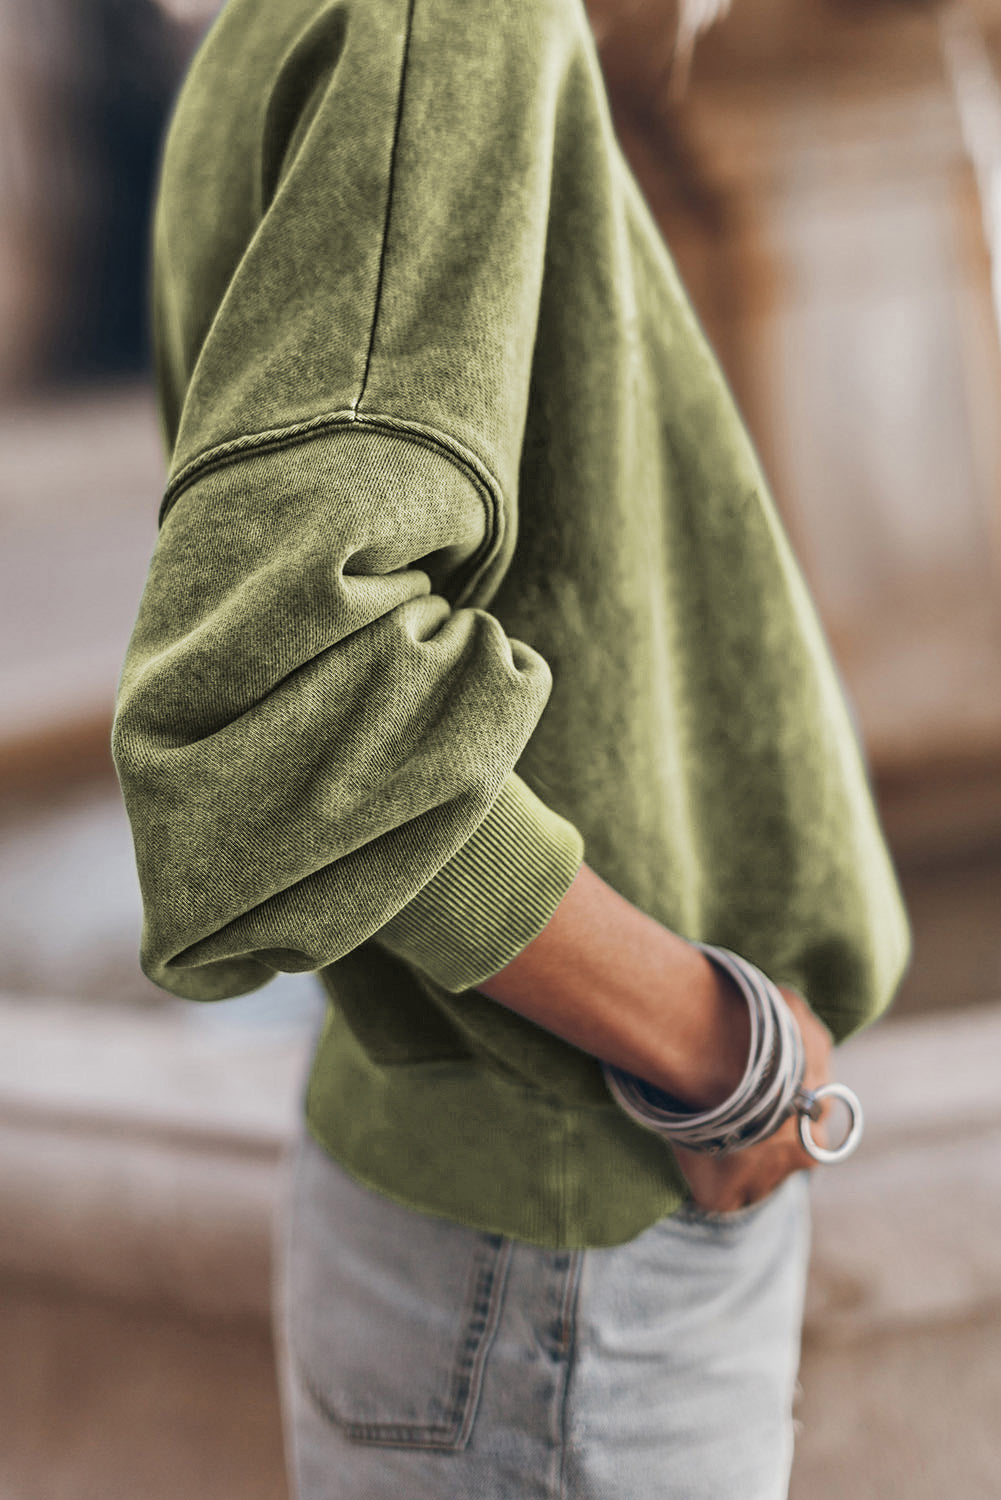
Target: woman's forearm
(616, 983)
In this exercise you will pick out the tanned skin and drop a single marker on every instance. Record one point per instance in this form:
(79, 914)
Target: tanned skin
(621, 986)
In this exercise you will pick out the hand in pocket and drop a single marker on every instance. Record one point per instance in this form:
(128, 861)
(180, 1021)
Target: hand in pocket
(725, 1184)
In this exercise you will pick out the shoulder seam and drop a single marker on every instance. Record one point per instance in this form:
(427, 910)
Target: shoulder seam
(393, 155)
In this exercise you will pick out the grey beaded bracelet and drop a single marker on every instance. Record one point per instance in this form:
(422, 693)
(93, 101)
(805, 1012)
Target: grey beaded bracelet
(770, 1090)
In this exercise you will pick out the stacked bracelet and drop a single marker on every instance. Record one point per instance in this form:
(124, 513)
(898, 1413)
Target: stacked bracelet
(770, 1090)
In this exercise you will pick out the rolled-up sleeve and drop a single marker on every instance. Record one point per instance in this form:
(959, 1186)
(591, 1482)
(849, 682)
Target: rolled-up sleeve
(316, 739)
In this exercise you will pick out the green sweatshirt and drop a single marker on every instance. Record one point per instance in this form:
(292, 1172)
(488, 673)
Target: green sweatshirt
(466, 570)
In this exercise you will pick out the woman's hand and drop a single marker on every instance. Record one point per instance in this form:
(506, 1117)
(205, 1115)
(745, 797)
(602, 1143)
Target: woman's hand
(614, 982)
(723, 1184)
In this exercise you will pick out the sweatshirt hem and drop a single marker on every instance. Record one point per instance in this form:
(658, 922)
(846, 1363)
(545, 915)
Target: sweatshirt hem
(458, 1140)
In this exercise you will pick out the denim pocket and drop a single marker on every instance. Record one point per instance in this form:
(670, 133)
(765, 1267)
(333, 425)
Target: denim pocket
(391, 1312)
(691, 1213)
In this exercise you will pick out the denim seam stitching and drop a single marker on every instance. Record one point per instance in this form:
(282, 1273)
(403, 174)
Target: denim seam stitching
(568, 1335)
(484, 1302)
(493, 1281)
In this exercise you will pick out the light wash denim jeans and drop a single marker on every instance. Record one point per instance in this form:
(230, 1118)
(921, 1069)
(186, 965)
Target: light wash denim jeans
(422, 1360)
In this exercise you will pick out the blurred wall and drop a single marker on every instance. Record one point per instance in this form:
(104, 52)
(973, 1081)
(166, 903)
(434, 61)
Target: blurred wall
(85, 86)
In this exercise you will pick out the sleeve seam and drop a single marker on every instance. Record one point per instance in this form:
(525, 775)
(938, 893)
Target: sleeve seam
(279, 439)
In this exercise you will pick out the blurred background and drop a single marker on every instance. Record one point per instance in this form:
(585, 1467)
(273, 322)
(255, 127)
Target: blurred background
(827, 174)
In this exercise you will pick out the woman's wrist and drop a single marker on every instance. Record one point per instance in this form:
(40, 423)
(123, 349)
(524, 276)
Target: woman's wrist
(714, 1071)
(618, 984)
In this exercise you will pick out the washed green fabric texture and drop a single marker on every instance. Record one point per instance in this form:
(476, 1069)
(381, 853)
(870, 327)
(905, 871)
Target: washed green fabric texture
(466, 570)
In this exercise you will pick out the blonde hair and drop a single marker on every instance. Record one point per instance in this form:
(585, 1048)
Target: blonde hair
(649, 43)
(694, 17)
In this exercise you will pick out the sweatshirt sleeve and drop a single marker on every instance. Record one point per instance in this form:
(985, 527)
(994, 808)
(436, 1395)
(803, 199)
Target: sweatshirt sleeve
(316, 738)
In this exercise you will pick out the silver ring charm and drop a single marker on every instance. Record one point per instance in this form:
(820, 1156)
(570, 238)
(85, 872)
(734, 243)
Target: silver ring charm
(809, 1103)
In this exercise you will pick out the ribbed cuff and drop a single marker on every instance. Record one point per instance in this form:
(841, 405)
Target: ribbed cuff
(493, 897)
